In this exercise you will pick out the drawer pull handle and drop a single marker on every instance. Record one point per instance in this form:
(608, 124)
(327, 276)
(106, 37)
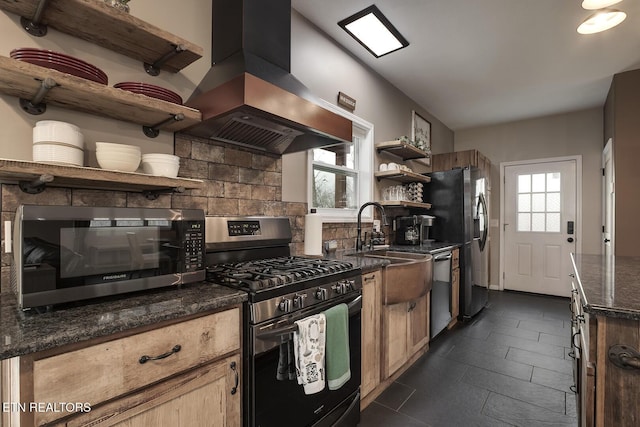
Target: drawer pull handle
(574, 389)
(373, 276)
(234, 390)
(624, 357)
(175, 349)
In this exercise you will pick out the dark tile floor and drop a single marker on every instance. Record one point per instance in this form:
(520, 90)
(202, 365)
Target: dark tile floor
(509, 366)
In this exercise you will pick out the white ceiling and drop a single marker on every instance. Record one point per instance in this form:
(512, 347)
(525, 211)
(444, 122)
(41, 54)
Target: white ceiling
(478, 62)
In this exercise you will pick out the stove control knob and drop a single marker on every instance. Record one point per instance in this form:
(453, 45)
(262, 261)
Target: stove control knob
(298, 300)
(339, 288)
(285, 305)
(321, 294)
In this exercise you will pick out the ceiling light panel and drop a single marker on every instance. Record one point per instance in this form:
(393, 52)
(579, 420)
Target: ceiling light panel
(601, 21)
(598, 4)
(373, 30)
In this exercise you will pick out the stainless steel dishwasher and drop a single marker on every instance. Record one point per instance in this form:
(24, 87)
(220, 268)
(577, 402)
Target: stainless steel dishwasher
(440, 292)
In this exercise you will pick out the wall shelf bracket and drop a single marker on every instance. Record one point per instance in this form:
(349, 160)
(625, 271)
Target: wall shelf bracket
(35, 105)
(154, 194)
(33, 25)
(154, 130)
(36, 186)
(154, 69)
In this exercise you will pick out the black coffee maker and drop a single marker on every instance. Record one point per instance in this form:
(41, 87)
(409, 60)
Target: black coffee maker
(413, 230)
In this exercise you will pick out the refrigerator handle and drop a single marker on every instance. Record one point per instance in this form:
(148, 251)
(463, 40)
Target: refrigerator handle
(482, 207)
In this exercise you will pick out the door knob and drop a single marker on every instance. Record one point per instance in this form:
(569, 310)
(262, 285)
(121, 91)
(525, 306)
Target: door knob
(607, 240)
(570, 240)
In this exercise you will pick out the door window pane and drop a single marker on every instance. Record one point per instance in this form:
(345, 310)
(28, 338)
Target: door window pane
(537, 182)
(537, 222)
(524, 222)
(553, 181)
(524, 202)
(524, 183)
(539, 202)
(553, 222)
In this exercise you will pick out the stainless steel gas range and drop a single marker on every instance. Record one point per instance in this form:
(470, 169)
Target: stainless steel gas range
(252, 254)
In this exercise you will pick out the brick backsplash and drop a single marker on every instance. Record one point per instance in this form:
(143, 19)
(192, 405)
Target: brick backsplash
(236, 182)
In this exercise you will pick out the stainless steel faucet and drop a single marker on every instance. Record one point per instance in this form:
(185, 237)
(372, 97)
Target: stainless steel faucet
(384, 221)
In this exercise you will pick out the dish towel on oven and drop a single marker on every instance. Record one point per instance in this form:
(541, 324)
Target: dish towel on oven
(338, 366)
(309, 346)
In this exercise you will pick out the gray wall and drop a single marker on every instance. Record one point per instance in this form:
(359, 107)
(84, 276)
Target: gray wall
(327, 69)
(570, 134)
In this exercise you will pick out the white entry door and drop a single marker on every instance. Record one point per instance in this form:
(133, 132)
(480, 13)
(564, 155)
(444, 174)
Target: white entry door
(539, 226)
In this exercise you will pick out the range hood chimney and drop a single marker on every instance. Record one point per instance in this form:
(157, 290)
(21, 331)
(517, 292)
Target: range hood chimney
(249, 96)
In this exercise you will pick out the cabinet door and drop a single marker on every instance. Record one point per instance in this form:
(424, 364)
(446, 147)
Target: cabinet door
(200, 397)
(418, 325)
(394, 337)
(371, 302)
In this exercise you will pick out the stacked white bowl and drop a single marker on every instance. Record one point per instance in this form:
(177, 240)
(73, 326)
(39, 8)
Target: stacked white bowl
(161, 164)
(58, 142)
(118, 157)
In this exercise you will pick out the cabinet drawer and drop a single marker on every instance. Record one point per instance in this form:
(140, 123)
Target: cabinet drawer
(103, 371)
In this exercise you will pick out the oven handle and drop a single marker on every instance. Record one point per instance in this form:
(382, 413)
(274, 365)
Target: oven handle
(354, 306)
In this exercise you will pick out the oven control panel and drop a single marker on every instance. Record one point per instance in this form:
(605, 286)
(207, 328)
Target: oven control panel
(244, 228)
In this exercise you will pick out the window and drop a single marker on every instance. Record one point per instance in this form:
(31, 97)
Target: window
(539, 202)
(341, 178)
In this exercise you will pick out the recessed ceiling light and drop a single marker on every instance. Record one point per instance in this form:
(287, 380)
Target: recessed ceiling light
(598, 4)
(374, 31)
(602, 20)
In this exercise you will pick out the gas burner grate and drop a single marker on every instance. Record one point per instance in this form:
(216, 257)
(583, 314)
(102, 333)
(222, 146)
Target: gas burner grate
(271, 272)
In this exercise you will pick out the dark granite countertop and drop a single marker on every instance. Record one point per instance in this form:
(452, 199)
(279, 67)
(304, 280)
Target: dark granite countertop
(609, 286)
(27, 332)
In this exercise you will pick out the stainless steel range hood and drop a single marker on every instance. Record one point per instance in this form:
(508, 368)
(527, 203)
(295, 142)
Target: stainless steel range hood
(249, 96)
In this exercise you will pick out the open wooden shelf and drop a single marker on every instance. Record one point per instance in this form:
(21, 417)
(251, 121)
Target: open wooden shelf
(401, 149)
(94, 178)
(404, 204)
(23, 80)
(402, 176)
(96, 22)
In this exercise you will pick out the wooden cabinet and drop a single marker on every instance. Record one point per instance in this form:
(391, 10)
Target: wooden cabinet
(148, 378)
(405, 331)
(371, 303)
(461, 159)
(455, 286)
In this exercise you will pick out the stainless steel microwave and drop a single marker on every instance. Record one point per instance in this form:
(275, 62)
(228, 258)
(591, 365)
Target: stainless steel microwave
(68, 253)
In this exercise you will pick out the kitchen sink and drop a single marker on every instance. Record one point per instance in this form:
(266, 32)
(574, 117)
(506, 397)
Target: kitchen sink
(407, 276)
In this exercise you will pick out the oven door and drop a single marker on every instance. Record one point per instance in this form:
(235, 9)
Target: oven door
(277, 402)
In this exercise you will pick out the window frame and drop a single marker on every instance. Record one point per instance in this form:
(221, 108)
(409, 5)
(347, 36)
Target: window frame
(364, 171)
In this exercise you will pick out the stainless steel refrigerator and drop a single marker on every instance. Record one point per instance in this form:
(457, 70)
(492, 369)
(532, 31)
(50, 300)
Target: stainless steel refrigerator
(459, 205)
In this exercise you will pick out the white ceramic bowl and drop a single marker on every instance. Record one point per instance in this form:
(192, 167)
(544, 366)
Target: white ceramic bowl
(118, 162)
(58, 154)
(161, 157)
(117, 148)
(160, 167)
(60, 132)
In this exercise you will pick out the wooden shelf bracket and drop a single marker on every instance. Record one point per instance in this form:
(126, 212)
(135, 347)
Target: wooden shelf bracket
(154, 130)
(154, 194)
(154, 69)
(36, 186)
(35, 105)
(33, 25)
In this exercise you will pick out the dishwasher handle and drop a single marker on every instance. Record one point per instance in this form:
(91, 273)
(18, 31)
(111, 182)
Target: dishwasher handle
(443, 258)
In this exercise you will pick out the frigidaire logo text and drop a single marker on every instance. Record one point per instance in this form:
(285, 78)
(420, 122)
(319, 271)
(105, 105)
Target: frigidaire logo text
(114, 277)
